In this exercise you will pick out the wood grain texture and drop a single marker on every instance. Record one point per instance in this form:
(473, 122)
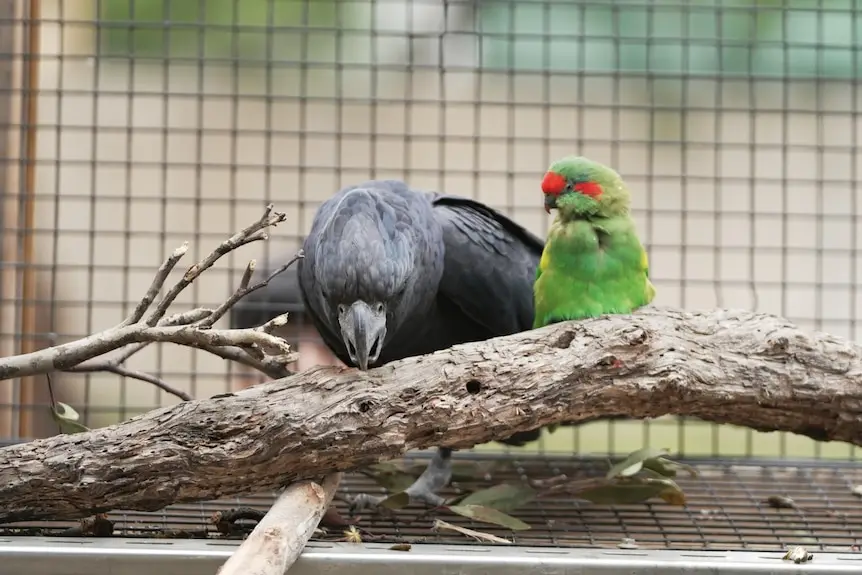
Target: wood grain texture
(725, 366)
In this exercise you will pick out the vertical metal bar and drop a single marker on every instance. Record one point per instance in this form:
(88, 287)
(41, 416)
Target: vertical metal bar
(27, 201)
(10, 102)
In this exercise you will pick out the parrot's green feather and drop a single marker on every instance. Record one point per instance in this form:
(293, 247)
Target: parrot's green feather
(593, 262)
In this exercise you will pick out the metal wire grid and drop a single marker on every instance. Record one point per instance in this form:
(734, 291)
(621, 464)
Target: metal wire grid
(726, 510)
(745, 185)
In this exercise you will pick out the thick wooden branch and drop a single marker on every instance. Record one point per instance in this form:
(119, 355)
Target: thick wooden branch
(724, 366)
(277, 541)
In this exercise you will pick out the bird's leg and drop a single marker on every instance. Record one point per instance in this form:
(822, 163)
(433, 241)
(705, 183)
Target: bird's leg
(435, 477)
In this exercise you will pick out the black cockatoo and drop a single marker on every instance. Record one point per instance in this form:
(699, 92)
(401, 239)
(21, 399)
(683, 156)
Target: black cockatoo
(390, 272)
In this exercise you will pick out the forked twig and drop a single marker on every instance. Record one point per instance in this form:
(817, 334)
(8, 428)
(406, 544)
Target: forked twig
(257, 347)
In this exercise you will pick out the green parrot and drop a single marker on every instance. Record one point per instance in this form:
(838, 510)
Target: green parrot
(593, 262)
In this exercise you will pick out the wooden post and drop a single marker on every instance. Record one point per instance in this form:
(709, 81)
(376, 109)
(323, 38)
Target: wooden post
(19, 75)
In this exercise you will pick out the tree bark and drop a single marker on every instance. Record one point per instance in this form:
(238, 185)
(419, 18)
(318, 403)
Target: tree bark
(736, 367)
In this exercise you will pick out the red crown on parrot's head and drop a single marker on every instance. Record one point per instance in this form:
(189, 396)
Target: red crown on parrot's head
(553, 184)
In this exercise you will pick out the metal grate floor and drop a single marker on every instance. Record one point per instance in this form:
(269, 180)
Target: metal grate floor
(726, 510)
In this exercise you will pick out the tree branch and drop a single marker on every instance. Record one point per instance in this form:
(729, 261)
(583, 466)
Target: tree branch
(724, 366)
(253, 233)
(277, 541)
(244, 289)
(256, 347)
(304, 503)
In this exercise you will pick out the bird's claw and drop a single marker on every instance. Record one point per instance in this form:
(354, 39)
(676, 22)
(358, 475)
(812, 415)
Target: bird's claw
(435, 477)
(364, 501)
(367, 502)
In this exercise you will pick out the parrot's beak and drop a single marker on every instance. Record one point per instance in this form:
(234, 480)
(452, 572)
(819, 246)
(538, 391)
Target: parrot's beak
(363, 329)
(550, 202)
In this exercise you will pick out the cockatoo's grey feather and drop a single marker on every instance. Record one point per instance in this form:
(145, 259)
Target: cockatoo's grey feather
(449, 269)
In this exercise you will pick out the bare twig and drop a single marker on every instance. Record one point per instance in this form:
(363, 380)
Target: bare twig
(254, 232)
(124, 371)
(158, 282)
(52, 398)
(256, 348)
(274, 367)
(278, 540)
(244, 289)
(115, 364)
(68, 355)
(182, 318)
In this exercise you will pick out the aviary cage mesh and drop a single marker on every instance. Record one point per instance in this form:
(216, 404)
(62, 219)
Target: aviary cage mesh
(136, 125)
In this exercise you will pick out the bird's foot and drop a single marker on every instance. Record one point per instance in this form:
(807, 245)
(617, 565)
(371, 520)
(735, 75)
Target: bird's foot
(435, 477)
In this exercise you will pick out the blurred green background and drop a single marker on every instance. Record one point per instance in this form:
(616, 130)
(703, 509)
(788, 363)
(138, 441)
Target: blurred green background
(780, 38)
(799, 39)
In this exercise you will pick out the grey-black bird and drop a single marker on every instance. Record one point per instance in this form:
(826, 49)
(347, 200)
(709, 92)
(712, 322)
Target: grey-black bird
(390, 272)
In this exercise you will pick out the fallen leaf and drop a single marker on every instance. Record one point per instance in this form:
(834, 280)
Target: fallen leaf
(478, 535)
(67, 418)
(780, 502)
(401, 547)
(634, 462)
(550, 482)
(503, 497)
(398, 500)
(627, 543)
(622, 493)
(489, 515)
(668, 468)
(798, 555)
(672, 494)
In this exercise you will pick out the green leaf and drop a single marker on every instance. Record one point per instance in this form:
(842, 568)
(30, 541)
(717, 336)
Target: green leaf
(634, 462)
(503, 497)
(398, 500)
(668, 468)
(67, 418)
(488, 515)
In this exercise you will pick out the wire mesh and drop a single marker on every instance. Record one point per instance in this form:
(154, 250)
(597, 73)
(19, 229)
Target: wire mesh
(727, 509)
(136, 125)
